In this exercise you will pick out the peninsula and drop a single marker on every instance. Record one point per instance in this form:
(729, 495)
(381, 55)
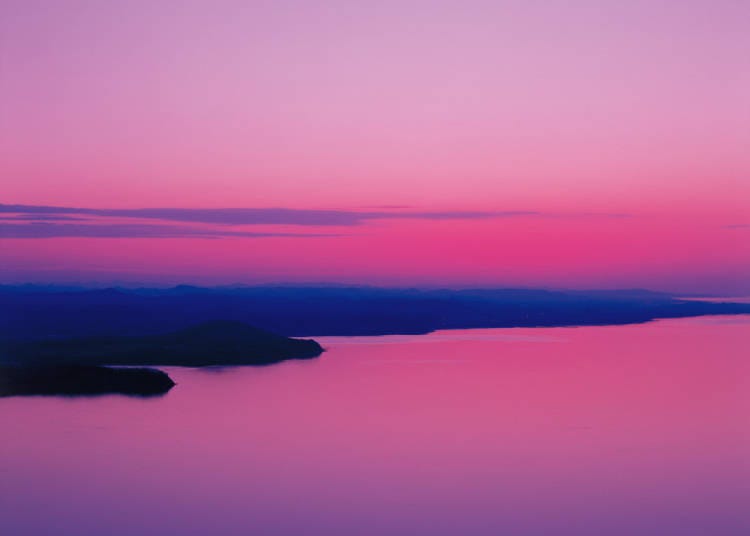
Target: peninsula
(216, 343)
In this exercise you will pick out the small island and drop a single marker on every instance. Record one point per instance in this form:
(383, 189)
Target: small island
(78, 380)
(217, 343)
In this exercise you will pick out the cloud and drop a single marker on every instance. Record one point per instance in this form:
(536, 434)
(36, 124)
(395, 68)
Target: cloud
(277, 216)
(252, 216)
(738, 226)
(37, 221)
(128, 230)
(41, 217)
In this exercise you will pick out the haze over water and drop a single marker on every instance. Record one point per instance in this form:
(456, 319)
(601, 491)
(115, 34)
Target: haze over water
(621, 430)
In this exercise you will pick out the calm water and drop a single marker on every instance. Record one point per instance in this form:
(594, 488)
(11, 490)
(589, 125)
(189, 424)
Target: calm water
(629, 430)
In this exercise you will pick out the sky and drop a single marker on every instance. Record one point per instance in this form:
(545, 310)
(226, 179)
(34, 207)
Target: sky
(581, 144)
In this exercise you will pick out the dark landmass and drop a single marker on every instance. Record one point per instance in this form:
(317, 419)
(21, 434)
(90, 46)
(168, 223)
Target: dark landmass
(211, 344)
(73, 380)
(33, 312)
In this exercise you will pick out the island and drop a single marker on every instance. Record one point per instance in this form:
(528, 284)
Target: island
(216, 343)
(81, 380)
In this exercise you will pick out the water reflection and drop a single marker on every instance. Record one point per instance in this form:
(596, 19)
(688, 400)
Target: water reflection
(625, 430)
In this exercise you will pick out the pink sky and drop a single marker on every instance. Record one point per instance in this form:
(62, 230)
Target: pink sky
(579, 112)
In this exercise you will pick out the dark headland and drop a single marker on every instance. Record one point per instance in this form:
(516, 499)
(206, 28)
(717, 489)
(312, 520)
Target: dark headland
(78, 380)
(217, 343)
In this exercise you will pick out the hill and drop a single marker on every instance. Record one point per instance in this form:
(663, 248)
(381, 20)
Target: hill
(302, 311)
(211, 343)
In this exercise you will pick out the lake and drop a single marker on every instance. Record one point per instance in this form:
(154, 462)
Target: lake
(591, 431)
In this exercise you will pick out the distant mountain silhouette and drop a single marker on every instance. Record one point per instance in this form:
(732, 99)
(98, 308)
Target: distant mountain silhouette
(32, 313)
(75, 380)
(211, 343)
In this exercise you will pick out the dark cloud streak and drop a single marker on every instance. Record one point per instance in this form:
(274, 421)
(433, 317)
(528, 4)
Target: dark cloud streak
(128, 230)
(42, 217)
(37, 221)
(278, 216)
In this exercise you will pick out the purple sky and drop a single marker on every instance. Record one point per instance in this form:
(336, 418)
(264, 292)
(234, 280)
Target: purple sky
(344, 109)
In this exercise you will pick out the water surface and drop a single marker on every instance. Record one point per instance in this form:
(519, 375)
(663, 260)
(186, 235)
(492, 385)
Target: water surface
(622, 430)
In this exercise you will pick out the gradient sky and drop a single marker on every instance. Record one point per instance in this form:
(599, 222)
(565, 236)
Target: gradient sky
(574, 144)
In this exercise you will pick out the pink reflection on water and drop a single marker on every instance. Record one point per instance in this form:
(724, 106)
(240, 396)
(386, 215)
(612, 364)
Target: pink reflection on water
(618, 430)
